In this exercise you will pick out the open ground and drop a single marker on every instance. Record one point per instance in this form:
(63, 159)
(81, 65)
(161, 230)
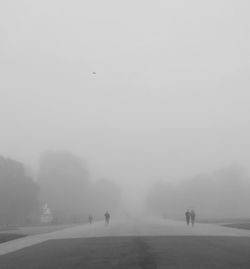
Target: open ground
(144, 243)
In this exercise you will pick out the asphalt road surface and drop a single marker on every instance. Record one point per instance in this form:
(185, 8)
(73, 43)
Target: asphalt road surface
(144, 243)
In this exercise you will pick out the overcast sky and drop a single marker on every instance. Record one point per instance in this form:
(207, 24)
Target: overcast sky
(170, 97)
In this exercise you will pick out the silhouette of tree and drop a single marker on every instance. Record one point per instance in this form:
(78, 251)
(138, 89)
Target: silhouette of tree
(104, 195)
(18, 193)
(63, 179)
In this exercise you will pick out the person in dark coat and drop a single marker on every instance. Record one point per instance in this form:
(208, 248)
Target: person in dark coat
(90, 219)
(192, 216)
(187, 215)
(107, 217)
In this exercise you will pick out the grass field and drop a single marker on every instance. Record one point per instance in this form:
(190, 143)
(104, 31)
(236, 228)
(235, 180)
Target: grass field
(223, 220)
(134, 252)
(232, 223)
(4, 237)
(245, 225)
(32, 230)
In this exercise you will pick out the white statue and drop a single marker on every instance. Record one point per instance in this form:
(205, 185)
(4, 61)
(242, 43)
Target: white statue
(47, 216)
(46, 210)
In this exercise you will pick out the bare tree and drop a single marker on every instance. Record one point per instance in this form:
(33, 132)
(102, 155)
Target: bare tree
(64, 181)
(18, 193)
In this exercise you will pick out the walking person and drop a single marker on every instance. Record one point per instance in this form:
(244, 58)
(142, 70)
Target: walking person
(187, 215)
(90, 219)
(192, 216)
(107, 217)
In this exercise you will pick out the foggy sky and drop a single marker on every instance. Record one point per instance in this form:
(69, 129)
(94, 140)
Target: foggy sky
(170, 97)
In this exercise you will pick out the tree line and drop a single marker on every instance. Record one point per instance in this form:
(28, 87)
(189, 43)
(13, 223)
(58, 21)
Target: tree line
(223, 194)
(62, 181)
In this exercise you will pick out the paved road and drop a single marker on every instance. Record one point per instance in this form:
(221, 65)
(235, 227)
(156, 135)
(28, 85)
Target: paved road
(131, 227)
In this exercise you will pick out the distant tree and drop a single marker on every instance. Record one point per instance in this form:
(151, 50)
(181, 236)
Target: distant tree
(162, 199)
(104, 195)
(63, 179)
(232, 191)
(222, 194)
(18, 193)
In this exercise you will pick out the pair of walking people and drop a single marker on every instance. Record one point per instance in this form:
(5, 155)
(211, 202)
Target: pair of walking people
(190, 217)
(107, 217)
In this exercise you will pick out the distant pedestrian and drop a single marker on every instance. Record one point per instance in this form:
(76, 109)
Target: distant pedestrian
(90, 219)
(107, 217)
(187, 215)
(192, 216)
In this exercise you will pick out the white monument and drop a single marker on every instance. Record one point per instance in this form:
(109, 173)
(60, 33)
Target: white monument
(46, 216)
